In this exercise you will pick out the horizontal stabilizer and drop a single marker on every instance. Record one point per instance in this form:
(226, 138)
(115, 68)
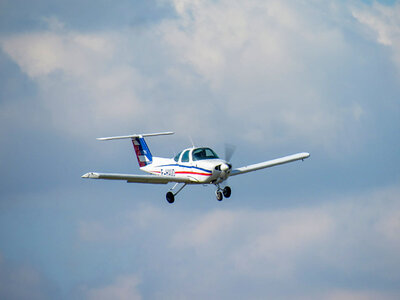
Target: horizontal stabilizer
(133, 136)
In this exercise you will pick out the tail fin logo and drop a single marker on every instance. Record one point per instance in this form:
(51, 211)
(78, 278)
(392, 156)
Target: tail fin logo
(143, 153)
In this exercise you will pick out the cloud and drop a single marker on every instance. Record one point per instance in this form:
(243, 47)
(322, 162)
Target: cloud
(23, 282)
(278, 67)
(124, 288)
(261, 73)
(383, 22)
(81, 82)
(315, 251)
(273, 242)
(359, 295)
(206, 229)
(266, 62)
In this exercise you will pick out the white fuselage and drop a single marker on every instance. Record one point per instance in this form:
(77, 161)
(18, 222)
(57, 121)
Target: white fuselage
(189, 164)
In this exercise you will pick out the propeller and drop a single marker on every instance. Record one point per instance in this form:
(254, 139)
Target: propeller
(225, 168)
(229, 150)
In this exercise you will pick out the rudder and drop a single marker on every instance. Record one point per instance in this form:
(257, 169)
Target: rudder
(142, 151)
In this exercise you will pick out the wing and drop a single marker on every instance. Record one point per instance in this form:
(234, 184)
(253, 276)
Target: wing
(270, 163)
(136, 178)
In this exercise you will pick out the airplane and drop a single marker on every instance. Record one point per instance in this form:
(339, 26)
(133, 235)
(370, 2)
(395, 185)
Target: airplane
(195, 165)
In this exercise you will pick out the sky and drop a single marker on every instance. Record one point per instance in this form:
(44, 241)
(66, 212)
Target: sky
(271, 77)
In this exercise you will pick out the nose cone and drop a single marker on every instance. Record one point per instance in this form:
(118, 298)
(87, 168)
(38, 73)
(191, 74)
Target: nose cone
(225, 167)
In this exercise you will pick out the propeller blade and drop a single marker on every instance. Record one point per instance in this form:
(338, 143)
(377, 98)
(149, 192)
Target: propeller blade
(229, 150)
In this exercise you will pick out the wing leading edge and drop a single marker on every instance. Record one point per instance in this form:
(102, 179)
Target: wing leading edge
(156, 179)
(270, 163)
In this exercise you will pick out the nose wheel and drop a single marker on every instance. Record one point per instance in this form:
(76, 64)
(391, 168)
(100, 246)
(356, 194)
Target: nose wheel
(221, 193)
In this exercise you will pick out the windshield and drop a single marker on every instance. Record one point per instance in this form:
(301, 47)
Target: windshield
(203, 153)
(176, 158)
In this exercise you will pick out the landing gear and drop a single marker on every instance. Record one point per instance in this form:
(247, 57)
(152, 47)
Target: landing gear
(170, 197)
(227, 191)
(221, 193)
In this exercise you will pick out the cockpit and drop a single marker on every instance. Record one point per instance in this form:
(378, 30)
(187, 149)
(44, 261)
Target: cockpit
(203, 153)
(196, 154)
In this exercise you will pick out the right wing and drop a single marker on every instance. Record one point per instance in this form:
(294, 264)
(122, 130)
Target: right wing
(270, 163)
(157, 179)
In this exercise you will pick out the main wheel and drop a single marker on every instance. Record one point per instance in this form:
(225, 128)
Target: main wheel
(170, 197)
(227, 191)
(219, 196)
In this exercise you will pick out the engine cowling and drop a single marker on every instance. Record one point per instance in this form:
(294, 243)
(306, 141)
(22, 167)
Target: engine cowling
(224, 170)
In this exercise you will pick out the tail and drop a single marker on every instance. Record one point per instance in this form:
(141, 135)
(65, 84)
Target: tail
(142, 151)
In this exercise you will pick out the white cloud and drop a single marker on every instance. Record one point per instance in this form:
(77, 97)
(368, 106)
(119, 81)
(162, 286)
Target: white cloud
(358, 295)
(39, 54)
(22, 282)
(384, 25)
(128, 224)
(206, 230)
(390, 227)
(263, 72)
(85, 80)
(316, 251)
(218, 65)
(266, 62)
(281, 240)
(124, 288)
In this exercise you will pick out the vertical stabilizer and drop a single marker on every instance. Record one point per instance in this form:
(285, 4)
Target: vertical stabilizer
(143, 153)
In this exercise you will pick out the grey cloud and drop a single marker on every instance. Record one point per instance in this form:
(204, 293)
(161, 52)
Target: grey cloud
(124, 288)
(284, 70)
(273, 78)
(335, 248)
(23, 282)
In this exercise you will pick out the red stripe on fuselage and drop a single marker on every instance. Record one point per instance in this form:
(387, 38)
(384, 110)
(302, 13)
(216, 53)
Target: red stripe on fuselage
(192, 173)
(187, 172)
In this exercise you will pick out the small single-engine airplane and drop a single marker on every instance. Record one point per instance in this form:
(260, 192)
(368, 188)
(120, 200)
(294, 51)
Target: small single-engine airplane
(196, 165)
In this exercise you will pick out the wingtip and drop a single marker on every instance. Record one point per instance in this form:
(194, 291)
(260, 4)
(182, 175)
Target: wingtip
(90, 175)
(305, 155)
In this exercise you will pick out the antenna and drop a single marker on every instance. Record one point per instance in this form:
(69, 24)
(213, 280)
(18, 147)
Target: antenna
(191, 140)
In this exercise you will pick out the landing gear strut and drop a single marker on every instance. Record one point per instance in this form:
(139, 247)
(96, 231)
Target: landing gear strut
(171, 196)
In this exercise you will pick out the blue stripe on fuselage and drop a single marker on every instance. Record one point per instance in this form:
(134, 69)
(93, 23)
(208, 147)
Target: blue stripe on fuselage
(183, 166)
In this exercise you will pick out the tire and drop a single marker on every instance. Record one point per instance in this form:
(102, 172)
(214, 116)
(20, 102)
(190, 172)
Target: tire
(227, 192)
(170, 197)
(219, 196)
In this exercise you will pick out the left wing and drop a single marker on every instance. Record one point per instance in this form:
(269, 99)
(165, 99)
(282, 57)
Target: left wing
(157, 179)
(270, 163)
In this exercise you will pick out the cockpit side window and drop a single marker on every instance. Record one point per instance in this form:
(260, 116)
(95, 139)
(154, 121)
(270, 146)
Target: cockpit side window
(203, 153)
(176, 158)
(185, 156)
